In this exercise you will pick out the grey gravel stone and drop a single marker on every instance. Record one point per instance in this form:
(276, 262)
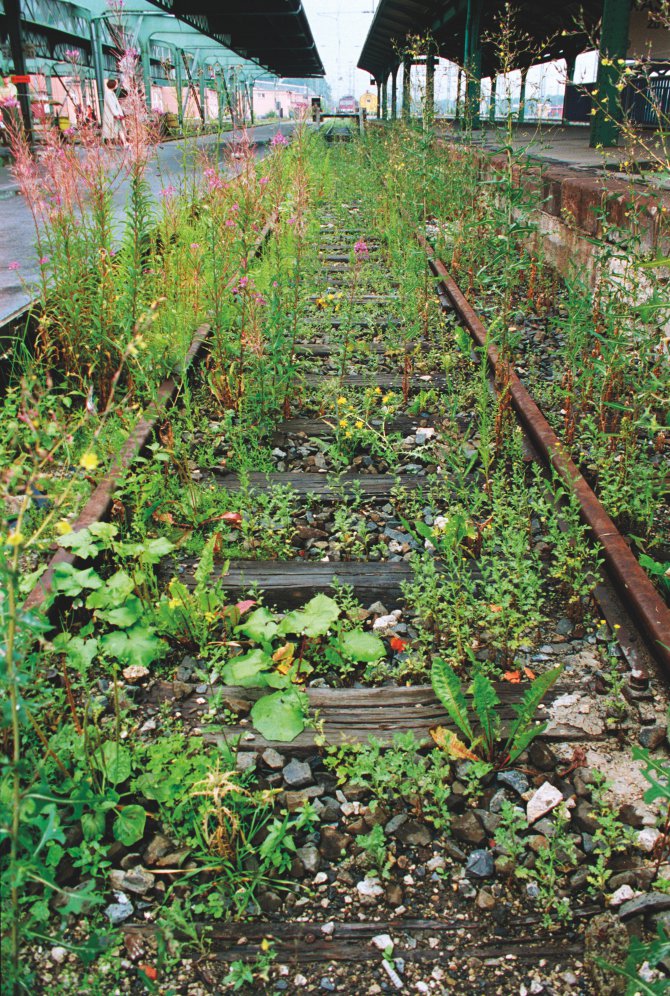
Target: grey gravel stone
(273, 759)
(135, 880)
(297, 774)
(468, 828)
(652, 737)
(414, 833)
(480, 864)
(116, 913)
(515, 780)
(395, 823)
(652, 902)
(310, 857)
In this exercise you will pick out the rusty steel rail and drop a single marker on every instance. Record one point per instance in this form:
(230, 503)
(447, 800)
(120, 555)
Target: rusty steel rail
(99, 504)
(630, 580)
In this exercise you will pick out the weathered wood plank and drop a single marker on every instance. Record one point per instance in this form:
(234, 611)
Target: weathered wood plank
(320, 428)
(291, 583)
(384, 381)
(328, 487)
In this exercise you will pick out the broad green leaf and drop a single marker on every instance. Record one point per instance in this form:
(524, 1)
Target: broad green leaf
(361, 646)
(152, 788)
(80, 652)
(103, 531)
(129, 825)
(447, 687)
(279, 716)
(657, 773)
(248, 670)
(125, 615)
(71, 582)
(133, 646)
(115, 590)
(80, 542)
(314, 619)
(93, 825)
(154, 550)
(114, 760)
(260, 626)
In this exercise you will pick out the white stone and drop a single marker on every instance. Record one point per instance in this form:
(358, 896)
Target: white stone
(382, 941)
(58, 954)
(423, 435)
(385, 625)
(646, 839)
(392, 974)
(422, 987)
(622, 895)
(300, 980)
(328, 928)
(369, 888)
(320, 878)
(543, 801)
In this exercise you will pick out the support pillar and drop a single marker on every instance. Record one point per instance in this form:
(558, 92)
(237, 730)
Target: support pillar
(146, 72)
(494, 97)
(13, 15)
(570, 68)
(201, 88)
(429, 100)
(613, 46)
(379, 100)
(385, 98)
(457, 114)
(522, 96)
(406, 87)
(394, 94)
(179, 86)
(96, 51)
(219, 98)
(472, 60)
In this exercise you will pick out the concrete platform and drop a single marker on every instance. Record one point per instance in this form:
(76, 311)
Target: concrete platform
(171, 164)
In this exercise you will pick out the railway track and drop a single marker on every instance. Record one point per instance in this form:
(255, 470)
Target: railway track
(359, 522)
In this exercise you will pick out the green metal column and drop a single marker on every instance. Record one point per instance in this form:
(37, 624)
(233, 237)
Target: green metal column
(472, 60)
(493, 98)
(179, 86)
(201, 87)
(146, 71)
(570, 67)
(406, 87)
(96, 51)
(219, 97)
(522, 96)
(385, 98)
(379, 100)
(394, 94)
(613, 46)
(13, 15)
(429, 101)
(458, 95)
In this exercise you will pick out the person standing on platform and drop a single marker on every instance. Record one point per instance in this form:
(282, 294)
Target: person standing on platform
(112, 116)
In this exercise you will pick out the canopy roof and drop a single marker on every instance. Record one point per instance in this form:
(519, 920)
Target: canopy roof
(274, 33)
(540, 26)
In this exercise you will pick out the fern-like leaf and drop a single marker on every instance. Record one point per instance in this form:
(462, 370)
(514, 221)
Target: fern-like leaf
(484, 702)
(447, 687)
(522, 731)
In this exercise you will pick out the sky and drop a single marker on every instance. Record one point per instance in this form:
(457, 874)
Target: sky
(340, 29)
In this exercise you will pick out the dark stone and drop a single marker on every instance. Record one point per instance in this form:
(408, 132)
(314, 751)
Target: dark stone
(468, 828)
(541, 756)
(270, 902)
(414, 834)
(606, 941)
(651, 903)
(515, 780)
(480, 864)
(629, 814)
(584, 818)
(652, 737)
(333, 843)
(297, 774)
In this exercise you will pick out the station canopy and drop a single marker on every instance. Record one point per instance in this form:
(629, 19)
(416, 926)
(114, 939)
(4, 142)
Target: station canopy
(274, 33)
(546, 31)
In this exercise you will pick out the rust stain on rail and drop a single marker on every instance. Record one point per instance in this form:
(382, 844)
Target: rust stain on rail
(632, 582)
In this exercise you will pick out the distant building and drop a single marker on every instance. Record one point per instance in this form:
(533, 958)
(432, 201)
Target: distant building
(368, 102)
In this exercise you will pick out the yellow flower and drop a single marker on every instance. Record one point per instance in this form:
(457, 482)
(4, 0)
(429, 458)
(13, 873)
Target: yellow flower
(174, 603)
(359, 424)
(378, 390)
(15, 539)
(347, 435)
(89, 461)
(342, 401)
(63, 527)
(387, 398)
(343, 423)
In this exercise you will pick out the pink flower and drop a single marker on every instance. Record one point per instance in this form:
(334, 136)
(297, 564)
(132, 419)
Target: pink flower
(43, 261)
(361, 250)
(278, 140)
(275, 283)
(14, 266)
(263, 180)
(230, 223)
(259, 299)
(195, 245)
(168, 191)
(244, 281)
(11, 103)
(235, 207)
(292, 221)
(72, 54)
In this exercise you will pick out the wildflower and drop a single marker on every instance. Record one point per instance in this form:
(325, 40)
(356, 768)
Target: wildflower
(359, 424)
(230, 223)
(343, 423)
(89, 461)
(278, 140)
(174, 603)
(361, 249)
(15, 539)
(168, 191)
(342, 401)
(259, 299)
(275, 283)
(195, 245)
(14, 266)
(11, 103)
(43, 261)
(387, 398)
(244, 281)
(235, 207)
(378, 390)
(292, 221)
(263, 180)
(63, 527)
